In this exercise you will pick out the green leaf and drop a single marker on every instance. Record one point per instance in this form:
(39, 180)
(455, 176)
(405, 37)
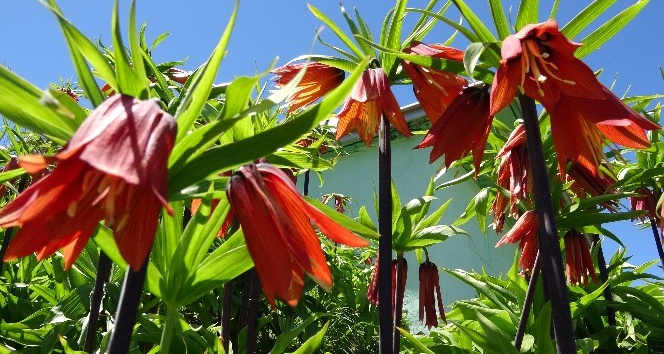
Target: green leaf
(77, 41)
(418, 345)
(527, 13)
(286, 338)
(391, 35)
(103, 238)
(342, 36)
(264, 143)
(607, 30)
(499, 339)
(430, 236)
(543, 330)
(128, 82)
(472, 56)
(199, 91)
(21, 102)
(464, 31)
(434, 217)
(312, 344)
(483, 33)
(367, 51)
(499, 18)
(586, 17)
(136, 54)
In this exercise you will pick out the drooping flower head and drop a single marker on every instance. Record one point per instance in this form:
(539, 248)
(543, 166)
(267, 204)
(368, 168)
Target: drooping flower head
(318, 80)
(645, 200)
(429, 294)
(524, 232)
(578, 262)
(434, 89)
(464, 127)
(514, 176)
(113, 169)
(370, 99)
(585, 183)
(372, 290)
(278, 226)
(541, 61)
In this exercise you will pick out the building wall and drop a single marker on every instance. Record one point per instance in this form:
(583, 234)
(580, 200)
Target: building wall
(356, 176)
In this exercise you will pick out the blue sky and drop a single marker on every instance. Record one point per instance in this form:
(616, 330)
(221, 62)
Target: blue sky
(33, 47)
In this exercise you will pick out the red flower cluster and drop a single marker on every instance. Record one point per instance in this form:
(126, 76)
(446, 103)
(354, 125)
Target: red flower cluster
(318, 80)
(429, 294)
(514, 176)
(372, 291)
(525, 232)
(278, 226)
(645, 201)
(578, 262)
(113, 169)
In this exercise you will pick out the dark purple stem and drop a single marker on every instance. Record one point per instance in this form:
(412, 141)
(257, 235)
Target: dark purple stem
(226, 315)
(604, 276)
(551, 257)
(5, 245)
(398, 302)
(658, 240)
(385, 240)
(527, 304)
(252, 313)
(125, 318)
(103, 273)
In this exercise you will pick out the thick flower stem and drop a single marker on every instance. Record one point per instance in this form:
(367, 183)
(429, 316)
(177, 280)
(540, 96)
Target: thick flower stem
(5, 244)
(305, 189)
(549, 246)
(527, 304)
(604, 277)
(385, 240)
(252, 313)
(169, 329)
(103, 273)
(398, 302)
(658, 240)
(226, 315)
(125, 318)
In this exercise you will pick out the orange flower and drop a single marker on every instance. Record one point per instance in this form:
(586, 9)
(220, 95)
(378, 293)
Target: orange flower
(513, 175)
(434, 89)
(464, 126)
(370, 99)
(578, 262)
(278, 225)
(318, 80)
(429, 293)
(524, 232)
(114, 169)
(541, 61)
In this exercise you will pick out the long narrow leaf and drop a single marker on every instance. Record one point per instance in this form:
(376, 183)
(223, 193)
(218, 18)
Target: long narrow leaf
(475, 23)
(527, 13)
(499, 19)
(602, 34)
(342, 36)
(586, 17)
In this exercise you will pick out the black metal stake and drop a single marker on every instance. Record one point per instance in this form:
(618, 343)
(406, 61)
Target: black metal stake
(103, 274)
(385, 240)
(551, 257)
(604, 276)
(527, 304)
(125, 318)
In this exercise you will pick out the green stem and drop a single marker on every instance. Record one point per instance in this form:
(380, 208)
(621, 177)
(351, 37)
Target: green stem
(169, 329)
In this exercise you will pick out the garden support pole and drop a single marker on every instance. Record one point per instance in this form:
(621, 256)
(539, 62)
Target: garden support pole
(658, 240)
(549, 245)
(125, 318)
(385, 240)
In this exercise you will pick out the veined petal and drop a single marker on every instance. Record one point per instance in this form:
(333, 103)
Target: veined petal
(504, 87)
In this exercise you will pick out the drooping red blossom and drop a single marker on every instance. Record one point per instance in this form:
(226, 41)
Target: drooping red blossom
(278, 226)
(464, 127)
(113, 169)
(578, 262)
(645, 200)
(541, 61)
(178, 75)
(404, 275)
(524, 231)
(372, 291)
(429, 294)
(318, 80)
(434, 89)
(370, 99)
(514, 176)
(585, 183)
